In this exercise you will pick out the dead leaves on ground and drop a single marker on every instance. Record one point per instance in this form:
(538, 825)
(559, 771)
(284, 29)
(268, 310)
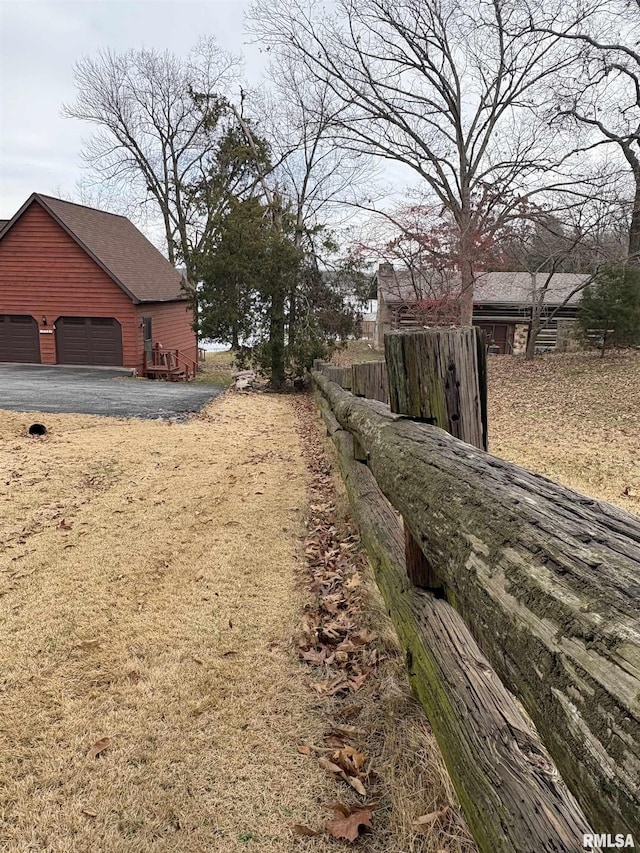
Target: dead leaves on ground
(347, 764)
(99, 747)
(332, 638)
(425, 821)
(348, 821)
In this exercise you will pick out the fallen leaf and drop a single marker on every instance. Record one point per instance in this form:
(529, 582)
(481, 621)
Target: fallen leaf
(330, 688)
(304, 750)
(356, 682)
(429, 819)
(329, 766)
(314, 657)
(357, 785)
(99, 747)
(350, 759)
(299, 829)
(64, 525)
(349, 820)
(89, 813)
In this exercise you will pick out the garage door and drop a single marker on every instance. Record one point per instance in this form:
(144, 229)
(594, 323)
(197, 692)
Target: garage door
(89, 340)
(19, 338)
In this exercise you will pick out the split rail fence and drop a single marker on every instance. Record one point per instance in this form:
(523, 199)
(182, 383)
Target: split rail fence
(516, 600)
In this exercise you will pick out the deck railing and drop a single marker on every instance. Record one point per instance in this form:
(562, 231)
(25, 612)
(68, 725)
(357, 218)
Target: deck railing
(170, 364)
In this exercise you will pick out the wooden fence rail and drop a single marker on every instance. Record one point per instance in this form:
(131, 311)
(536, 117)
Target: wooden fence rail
(370, 380)
(364, 380)
(548, 583)
(512, 795)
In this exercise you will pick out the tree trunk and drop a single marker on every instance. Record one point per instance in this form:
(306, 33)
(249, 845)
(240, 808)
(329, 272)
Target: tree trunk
(293, 318)
(634, 228)
(537, 305)
(512, 796)
(603, 348)
(534, 328)
(465, 262)
(547, 579)
(466, 293)
(276, 337)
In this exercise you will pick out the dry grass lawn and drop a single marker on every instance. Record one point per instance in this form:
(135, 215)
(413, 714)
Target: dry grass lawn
(573, 418)
(355, 352)
(148, 593)
(152, 579)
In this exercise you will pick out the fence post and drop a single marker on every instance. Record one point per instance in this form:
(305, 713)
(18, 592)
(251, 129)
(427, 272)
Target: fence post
(438, 376)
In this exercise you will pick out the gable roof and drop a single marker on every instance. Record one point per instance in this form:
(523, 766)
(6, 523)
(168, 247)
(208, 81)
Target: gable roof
(521, 287)
(116, 245)
(402, 287)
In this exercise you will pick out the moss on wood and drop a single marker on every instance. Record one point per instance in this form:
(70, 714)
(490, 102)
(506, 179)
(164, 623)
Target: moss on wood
(554, 610)
(510, 792)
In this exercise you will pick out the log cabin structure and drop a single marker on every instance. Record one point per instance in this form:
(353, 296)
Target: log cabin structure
(502, 305)
(80, 286)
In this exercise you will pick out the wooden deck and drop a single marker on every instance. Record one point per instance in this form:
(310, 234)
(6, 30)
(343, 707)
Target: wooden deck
(172, 365)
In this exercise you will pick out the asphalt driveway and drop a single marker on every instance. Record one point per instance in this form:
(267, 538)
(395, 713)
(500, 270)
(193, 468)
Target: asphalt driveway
(97, 391)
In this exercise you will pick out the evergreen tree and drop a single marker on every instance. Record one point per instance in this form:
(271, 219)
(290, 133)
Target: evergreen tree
(229, 275)
(609, 311)
(246, 287)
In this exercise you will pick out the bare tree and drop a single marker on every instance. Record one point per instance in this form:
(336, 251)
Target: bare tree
(602, 95)
(579, 238)
(154, 137)
(321, 183)
(321, 180)
(449, 89)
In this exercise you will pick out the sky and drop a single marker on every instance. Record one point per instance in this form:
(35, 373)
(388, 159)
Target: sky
(39, 42)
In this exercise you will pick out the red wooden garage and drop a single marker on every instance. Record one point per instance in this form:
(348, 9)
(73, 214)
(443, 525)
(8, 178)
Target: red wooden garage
(81, 286)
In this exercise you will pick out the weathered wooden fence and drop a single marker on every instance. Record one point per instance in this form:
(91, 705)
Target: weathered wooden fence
(363, 380)
(500, 581)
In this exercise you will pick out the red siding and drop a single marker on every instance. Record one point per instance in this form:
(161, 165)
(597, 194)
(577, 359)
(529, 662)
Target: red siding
(43, 272)
(170, 326)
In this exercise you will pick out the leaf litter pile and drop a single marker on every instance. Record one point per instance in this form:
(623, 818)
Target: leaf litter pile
(572, 417)
(359, 673)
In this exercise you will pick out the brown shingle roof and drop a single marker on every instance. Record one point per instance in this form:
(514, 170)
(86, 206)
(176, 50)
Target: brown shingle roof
(401, 287)
(115, 243)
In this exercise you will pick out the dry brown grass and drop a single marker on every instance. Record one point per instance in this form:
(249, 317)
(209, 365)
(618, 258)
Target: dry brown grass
(573, 418)
(149, 596)
(355, 352)
(217, 369)
(150, 581)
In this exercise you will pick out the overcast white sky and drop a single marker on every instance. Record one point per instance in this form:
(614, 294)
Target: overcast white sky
(39, 42)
